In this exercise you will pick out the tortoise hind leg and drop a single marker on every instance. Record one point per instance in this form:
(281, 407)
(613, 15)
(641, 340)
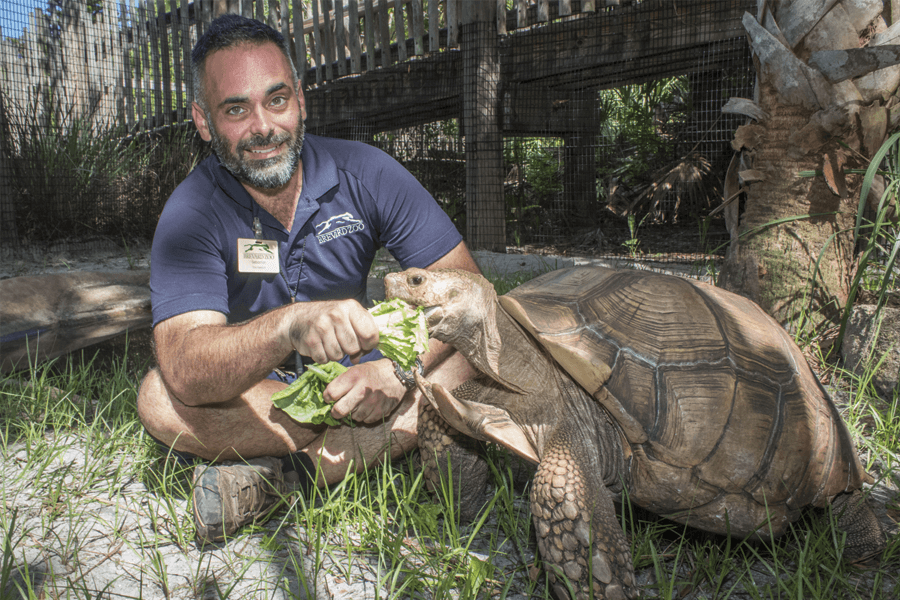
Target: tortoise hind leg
(856, 518)
(577, 530)
(444, 450)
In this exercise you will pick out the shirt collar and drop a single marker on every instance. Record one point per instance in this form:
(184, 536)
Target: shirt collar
(320, 172)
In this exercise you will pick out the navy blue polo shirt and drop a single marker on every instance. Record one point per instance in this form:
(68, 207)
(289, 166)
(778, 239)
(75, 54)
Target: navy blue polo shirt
(355, 199)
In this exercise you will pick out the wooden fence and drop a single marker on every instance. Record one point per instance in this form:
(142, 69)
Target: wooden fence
(129, 64)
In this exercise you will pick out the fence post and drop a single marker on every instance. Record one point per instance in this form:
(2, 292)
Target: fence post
(126, 21)
(579, 164)
(168, 107)
(221, 7)
(485, 204)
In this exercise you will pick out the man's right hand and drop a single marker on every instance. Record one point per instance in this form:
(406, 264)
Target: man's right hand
(329, 330)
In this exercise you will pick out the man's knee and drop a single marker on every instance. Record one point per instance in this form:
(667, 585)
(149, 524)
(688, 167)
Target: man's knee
(154, 407)
(148, 395)
(452, 372)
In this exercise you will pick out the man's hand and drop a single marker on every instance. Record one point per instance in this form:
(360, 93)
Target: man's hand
(326, 331)
(368, 392)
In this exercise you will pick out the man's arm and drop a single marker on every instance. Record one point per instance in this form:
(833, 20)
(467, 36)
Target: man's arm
(204, 360)
(458, 258)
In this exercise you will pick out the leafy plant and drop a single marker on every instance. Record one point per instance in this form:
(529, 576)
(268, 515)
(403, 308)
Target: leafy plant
(632, 120)
(403, 334)
(879, 236)
(633, 243)
(303, 400)
(534, 164)
(63, 165)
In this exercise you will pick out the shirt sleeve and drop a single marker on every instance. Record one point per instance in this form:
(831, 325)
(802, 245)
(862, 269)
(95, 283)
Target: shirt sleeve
(187, 269)
(412, 226)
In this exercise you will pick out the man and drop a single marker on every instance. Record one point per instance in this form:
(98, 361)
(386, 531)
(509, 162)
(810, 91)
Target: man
(260, 256)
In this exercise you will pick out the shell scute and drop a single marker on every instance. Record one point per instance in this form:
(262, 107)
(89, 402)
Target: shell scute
(682, 490)
(634, 379)
(743, 451)
(695, 412)
(649, 315)
(757, 343)
(810, 459)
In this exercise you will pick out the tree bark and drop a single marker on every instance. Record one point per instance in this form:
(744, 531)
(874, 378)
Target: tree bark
(795, 230)
(774, 263)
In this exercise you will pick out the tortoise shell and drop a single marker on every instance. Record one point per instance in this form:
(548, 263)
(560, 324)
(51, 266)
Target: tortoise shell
(717, 405)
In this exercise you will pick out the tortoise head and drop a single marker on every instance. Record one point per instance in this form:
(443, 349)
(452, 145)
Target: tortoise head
(460, 309)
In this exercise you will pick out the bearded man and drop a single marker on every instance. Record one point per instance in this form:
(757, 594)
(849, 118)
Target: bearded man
(259, 265)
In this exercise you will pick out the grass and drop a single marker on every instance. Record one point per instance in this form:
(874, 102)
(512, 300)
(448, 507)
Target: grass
(92, 509)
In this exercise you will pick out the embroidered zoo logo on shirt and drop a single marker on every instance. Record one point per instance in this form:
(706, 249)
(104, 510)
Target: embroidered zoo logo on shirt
(337, 226)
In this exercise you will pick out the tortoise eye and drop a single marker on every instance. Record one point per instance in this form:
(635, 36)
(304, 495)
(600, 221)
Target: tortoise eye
(416, 280)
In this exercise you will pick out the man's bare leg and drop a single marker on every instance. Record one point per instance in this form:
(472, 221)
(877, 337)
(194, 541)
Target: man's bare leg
(252, 431)
(250, 426)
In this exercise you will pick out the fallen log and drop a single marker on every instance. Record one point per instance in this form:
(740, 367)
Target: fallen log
(45, 316)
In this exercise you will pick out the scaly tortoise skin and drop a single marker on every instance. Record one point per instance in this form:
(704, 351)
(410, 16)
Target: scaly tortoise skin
(686, 396)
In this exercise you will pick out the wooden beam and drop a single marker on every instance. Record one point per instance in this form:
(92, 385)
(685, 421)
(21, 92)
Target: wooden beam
(591, 44)
(383, 96)
(46, 316)
(485, 203)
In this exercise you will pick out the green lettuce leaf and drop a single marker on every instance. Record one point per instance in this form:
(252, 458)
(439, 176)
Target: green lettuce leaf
(302, 400)
(402, 332)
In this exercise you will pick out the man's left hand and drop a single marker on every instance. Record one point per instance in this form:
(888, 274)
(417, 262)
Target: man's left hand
(368, 392)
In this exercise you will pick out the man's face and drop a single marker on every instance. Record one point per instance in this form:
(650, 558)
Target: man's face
(255, 117)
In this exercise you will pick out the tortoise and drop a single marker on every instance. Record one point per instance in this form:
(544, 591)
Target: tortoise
(688, 398)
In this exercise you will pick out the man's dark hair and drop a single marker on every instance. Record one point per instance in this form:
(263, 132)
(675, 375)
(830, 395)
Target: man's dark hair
(228, 31)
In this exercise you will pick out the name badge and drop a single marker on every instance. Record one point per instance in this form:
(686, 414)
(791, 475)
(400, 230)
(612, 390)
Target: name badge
(257, 256)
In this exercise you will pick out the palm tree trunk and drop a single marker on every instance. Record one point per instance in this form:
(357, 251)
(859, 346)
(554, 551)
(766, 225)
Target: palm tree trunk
(819, 109)
(789, 225)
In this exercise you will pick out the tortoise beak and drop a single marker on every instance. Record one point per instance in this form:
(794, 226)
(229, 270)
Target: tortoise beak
(433, 315)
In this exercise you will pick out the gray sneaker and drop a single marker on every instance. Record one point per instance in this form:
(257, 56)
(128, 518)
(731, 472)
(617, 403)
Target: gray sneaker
(229, 495)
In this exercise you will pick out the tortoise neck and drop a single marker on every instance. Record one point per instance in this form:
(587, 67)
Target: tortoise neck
(523, 365)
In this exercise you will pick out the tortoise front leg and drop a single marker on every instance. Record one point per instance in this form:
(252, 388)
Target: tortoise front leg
(578, 534)
(445, 450)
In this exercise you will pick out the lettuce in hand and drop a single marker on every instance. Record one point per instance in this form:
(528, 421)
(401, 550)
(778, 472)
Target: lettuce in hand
(402, 332)
(303, 401)
(402, 337)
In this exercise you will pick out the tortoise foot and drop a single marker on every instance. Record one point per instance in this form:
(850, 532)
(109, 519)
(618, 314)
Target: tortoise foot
(865, 538)
(451, 458)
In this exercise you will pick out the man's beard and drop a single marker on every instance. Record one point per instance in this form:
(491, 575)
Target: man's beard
(267, 173)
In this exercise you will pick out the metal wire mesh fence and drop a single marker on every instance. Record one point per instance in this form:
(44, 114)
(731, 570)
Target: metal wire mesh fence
(528, 121)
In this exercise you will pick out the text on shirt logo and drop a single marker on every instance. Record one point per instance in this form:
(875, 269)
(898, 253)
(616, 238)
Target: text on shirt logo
(337, 226)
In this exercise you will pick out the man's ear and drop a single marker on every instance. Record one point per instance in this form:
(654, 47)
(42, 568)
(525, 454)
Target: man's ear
(200, 121)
